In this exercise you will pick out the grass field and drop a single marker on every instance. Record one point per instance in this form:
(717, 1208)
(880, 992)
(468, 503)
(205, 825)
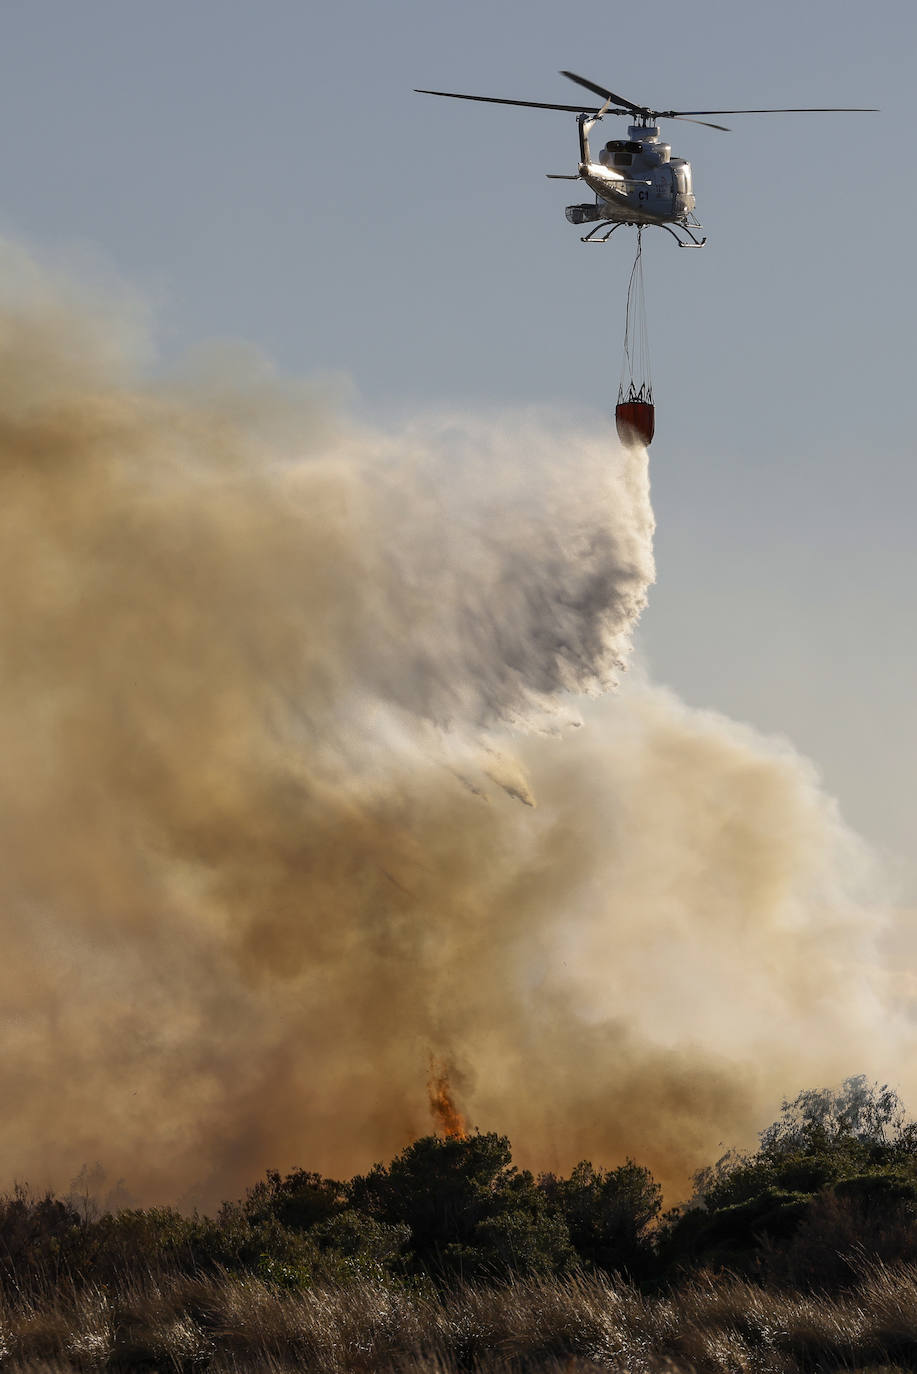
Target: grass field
(578, 1324)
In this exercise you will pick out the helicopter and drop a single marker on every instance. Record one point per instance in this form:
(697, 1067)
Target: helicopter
(636, 180)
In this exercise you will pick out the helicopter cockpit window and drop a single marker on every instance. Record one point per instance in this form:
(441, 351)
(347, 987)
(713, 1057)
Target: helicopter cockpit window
(623, 159)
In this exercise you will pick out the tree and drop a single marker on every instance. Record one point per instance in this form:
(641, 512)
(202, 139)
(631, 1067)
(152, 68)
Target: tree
(299, 1201)
(859, 1117)
(609, 1213)
(836, 1162)
(468, 1208)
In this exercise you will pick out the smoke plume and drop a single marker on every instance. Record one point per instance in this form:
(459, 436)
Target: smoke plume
(295, 796)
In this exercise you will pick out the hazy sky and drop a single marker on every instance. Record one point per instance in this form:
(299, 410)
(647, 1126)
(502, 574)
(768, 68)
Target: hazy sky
(266, 173)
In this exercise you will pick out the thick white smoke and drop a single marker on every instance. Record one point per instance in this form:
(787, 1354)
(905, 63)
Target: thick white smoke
(275, 685)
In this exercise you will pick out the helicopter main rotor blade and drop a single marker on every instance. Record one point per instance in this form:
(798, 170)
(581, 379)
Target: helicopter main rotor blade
(688, 114)
(686, 119)
(498, 100)
(808, 109)
(642, 110)
(608, 95)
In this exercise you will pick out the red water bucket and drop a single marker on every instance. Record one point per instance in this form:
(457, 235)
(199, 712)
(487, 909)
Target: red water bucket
(635, 422)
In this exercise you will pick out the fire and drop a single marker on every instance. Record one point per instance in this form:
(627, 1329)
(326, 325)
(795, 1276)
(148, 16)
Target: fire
(449, 1121)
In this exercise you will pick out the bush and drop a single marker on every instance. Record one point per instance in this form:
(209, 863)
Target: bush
(360, 1243)
(870, 1217)
(299, 1201)
(735, 1236)
(468, 1209)
(836, 1172)
(609, 1214)
(43, 1240)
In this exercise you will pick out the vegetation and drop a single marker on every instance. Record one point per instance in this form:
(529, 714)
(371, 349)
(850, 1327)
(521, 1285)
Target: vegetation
(799, 1256)
(834, 1177)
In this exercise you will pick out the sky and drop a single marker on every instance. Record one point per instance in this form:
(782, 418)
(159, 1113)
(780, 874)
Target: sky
(266, 174)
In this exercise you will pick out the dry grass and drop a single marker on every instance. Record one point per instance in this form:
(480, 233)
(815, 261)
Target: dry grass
(237, 1325)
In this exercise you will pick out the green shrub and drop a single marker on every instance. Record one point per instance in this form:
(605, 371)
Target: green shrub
(609, 1214)
(836, 1173)
(871, 1217)
(299, 1201)
(735, 1236)
(467, 1208)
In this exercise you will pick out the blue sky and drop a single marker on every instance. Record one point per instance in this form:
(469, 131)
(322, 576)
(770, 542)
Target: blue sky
(266, 173)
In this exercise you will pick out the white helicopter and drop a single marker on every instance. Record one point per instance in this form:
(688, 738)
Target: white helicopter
(636, 180)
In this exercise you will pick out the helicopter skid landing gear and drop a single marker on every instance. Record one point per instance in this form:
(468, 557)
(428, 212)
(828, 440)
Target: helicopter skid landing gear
(687, 227)
(683, 227)
(614, 224)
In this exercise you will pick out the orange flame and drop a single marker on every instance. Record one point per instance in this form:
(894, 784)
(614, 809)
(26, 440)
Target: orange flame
(449, 1121)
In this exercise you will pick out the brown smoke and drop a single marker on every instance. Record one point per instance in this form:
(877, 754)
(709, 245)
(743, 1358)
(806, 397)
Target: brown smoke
(274, 686)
